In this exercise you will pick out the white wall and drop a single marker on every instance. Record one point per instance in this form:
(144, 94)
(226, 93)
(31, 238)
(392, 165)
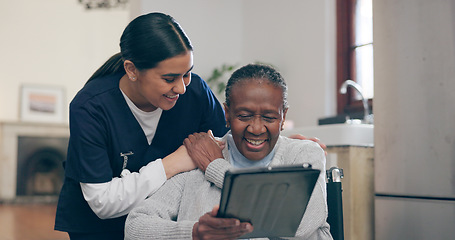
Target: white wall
(58, 42)
(212, 26)
(52, 43)
(296, 36)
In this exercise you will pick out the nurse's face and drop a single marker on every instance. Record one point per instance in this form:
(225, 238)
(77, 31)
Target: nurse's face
(160, 87)
(256, 116)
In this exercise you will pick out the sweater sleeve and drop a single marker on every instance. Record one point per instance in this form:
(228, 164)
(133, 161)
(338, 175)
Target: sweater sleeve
(216, 170)
(156, 217)
(314, 224)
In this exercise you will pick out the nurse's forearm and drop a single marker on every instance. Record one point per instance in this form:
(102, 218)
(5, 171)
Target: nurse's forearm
(117, 197)
(177, 162)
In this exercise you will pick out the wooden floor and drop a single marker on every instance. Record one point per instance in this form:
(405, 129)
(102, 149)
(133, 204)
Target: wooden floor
(29, 222)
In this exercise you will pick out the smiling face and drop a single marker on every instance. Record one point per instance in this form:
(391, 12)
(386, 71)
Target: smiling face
(158, 87)
(256, 115)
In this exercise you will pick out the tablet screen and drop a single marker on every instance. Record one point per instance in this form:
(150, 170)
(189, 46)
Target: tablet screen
(272, 199)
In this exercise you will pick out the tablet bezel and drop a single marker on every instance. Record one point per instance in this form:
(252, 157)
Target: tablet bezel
(284, 190)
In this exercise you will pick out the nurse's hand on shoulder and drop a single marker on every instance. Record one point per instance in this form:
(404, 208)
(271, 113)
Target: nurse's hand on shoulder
(177, 162)
(203, 148)
(211, 227)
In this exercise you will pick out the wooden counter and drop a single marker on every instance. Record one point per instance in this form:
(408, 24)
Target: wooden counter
(358, 188)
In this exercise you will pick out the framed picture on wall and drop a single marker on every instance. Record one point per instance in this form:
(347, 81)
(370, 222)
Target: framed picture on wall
(42, 104)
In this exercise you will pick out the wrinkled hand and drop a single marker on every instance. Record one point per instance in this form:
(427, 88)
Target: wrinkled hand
(211, 227)
(314, 139)
(203, 149)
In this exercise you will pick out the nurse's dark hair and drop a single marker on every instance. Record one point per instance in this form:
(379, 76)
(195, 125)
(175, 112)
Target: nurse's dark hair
(146, 41)
(257, 72)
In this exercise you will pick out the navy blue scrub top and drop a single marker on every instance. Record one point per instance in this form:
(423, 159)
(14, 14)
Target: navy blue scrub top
(102, 127)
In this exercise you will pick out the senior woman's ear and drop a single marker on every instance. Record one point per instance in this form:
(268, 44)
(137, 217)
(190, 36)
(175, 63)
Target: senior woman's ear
(227, 115)
(284, 119)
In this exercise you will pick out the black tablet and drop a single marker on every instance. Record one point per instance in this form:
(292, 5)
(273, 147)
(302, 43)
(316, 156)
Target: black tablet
(273, 199)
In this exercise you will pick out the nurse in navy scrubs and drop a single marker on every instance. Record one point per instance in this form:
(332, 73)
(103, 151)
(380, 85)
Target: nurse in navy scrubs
(127, 124)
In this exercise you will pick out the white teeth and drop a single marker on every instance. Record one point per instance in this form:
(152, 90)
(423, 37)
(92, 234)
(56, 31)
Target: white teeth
(171, 96)
(254, 142)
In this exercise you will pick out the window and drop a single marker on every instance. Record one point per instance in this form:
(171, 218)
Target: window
(354, 52)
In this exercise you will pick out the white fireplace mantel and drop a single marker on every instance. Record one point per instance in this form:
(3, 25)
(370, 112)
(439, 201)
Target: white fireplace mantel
(9, 133)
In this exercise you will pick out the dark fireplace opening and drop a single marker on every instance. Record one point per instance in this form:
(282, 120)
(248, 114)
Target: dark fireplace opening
(43, 173)
(39, 166)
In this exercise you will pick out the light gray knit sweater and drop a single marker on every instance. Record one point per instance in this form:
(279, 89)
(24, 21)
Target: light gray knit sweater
(171, 212)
